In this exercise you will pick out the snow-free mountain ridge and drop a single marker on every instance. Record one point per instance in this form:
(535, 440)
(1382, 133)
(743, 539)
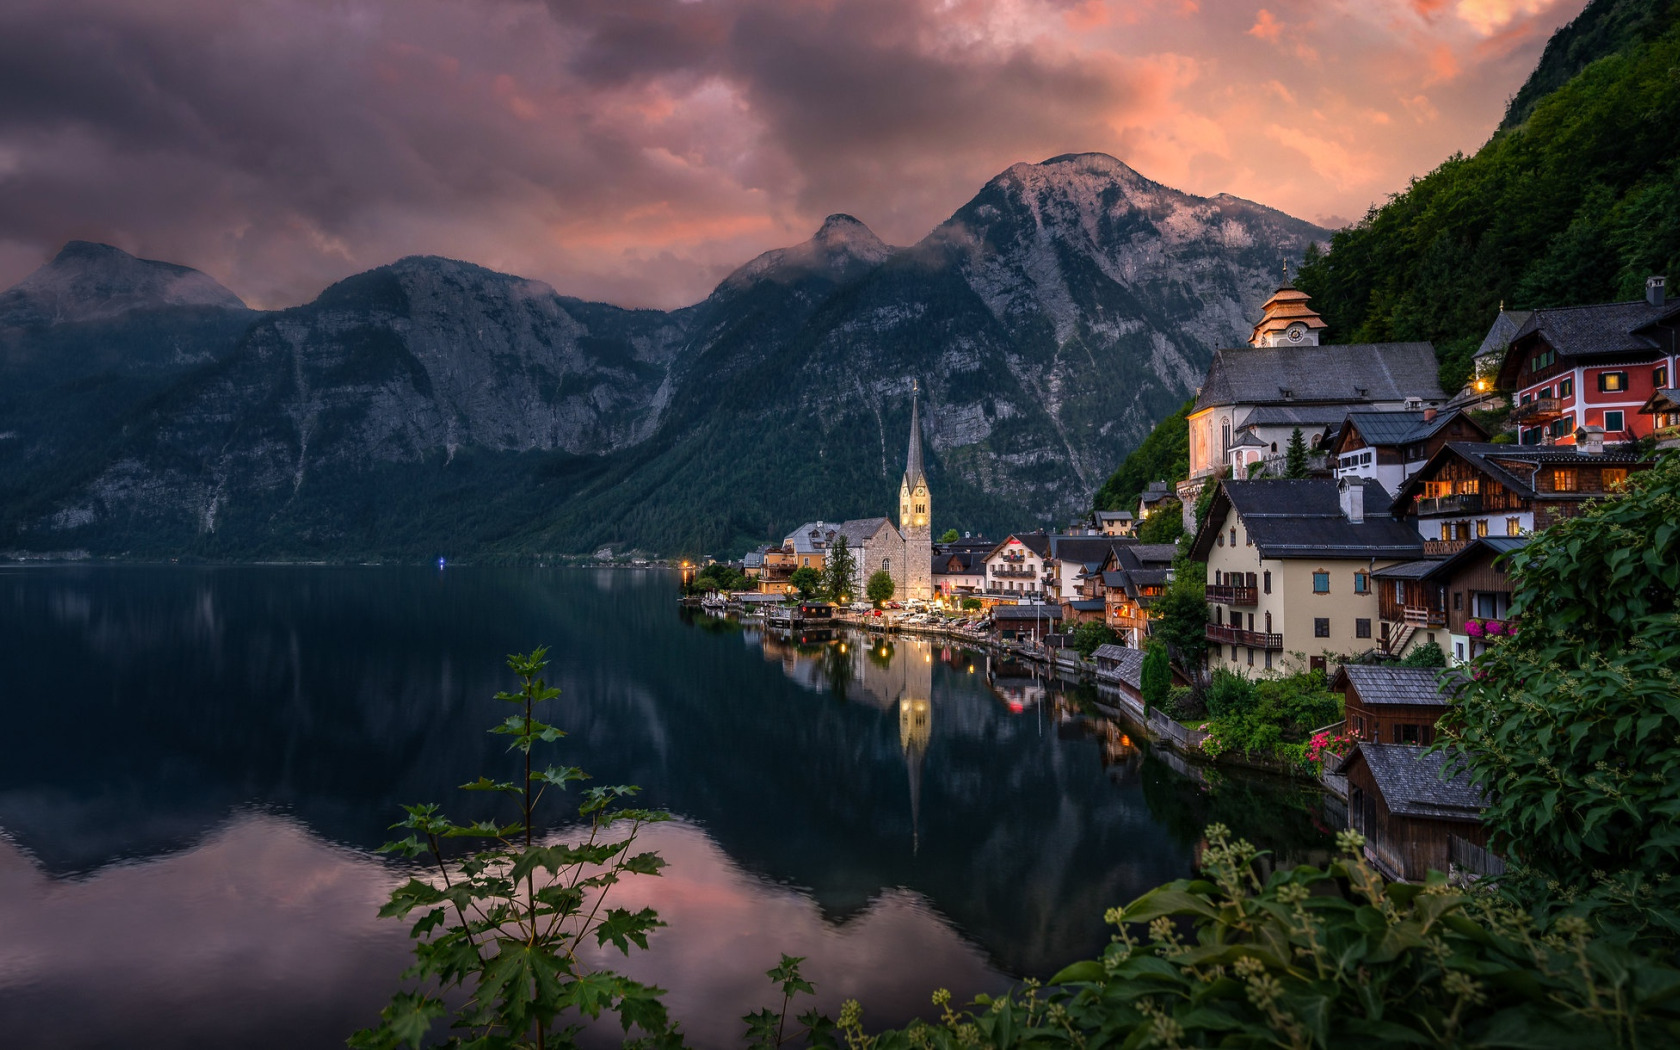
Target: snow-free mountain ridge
(434, 405)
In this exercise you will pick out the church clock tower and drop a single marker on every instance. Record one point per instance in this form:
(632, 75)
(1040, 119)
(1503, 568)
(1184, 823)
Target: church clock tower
(915, 513)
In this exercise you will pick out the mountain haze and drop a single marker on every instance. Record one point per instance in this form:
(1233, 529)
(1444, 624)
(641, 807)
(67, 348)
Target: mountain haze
(432, 406)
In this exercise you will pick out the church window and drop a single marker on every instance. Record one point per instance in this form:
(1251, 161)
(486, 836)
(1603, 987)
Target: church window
(886, 565)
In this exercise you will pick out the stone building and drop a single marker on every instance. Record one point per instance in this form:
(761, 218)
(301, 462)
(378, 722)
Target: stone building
(915, 513)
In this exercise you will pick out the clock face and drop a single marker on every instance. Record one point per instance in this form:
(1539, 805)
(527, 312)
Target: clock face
(1296, 333)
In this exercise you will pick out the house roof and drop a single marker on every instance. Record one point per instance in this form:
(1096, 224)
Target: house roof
(1037, 542)
(1086, 605)
(1084, 549)
(1500, 332)
(1279, 374)
(1128, 662)
(1114, 515)
(1663, 399)
(1400, 428)
(1494, 461)
(1249, 439)
(811, 537)
(1408, 570)
(1295, 415)
(957, 563)
(1390, 684)
(1597, 330)
(1303, 519)
(1026, 612)
(1414, 781)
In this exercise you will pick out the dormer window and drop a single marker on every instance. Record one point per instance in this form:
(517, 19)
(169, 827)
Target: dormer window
(1287, 393)
(1360, 391)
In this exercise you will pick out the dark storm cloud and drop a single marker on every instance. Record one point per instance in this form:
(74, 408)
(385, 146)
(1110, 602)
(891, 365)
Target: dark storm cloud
(636, 150)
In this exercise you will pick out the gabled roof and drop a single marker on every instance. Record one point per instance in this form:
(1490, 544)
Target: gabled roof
(1663, 399)
(1391, 684)
(1413, 781)
(1084, 548)
(1086, 605)
(1500, 332)
(1037, 542)
(957, 563)
(1026, 612)
(1261, 375)
(1303, 519)
(811, 537)
(1128, 662)
(1407, 570)
(1493, 460)
(1114, 515)
(1600, 330)
(859, 531)
(1400, 428)
(1304, 416)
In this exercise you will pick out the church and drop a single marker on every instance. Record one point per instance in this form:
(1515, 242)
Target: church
(905, 552)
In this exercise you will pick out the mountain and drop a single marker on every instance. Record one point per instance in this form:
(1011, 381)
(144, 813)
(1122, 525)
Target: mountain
(96, 282)
(434, 406)
(1576, 200)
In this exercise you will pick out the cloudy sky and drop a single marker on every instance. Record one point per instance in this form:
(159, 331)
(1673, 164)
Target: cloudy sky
(638, 150)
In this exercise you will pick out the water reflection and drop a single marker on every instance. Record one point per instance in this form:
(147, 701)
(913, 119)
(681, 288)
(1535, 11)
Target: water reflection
(897, 785)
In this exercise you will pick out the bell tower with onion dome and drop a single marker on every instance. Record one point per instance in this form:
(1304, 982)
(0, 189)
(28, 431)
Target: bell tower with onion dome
(1286, 319)
(915, 513)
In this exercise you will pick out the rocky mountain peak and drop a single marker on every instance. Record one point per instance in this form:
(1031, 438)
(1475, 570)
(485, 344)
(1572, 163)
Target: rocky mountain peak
(842, 248)
(87, 281)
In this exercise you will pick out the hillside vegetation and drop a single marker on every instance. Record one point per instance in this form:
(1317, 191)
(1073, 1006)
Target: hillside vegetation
(1576, 203)
(1163, 456)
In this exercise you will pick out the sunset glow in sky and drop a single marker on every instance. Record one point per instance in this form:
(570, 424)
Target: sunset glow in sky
(638, 150)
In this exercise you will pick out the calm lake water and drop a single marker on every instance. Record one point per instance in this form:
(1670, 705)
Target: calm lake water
(196, 765)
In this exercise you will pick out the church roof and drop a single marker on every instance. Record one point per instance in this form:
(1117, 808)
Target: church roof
(1348, 374)
(1286, 306)
(913, 473)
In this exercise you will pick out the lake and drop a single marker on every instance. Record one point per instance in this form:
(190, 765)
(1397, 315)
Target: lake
(197, 765)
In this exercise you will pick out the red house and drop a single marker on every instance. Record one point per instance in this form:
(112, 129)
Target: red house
(1595, 366)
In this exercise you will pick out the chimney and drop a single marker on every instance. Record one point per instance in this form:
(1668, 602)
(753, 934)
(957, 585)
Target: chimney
(1654, 289)
(1589, 441)
(1429, 414)
(1352, 491)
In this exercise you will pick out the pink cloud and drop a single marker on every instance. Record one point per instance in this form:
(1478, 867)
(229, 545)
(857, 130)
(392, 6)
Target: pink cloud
(1266, 26)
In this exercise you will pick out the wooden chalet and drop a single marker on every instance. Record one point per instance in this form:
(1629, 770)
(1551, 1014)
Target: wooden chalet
(1417, 808)
(1390, 447)
(1391, 705)
(1025, 623)
(1470, 490)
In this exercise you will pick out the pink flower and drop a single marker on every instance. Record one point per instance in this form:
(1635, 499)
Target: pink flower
(1473, 628)
(1494, 628)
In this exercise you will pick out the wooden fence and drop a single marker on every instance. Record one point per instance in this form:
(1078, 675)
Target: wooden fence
(1473, 858)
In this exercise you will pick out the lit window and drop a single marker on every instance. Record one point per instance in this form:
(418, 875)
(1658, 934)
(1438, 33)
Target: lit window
(1563, 479)
(1612, 382)
(1566, 387)
(1481, 526)
(1321, 583)
(1513, 526)
(1659, 376)
(1614, 478)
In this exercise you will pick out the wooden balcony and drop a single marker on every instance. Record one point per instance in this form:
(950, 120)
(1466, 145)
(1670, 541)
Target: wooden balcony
(1540, 410)
(1012, 572)
(1228, 635)
(1425, 617)
(1457, 503)
(1441, 548)
(1226, 594)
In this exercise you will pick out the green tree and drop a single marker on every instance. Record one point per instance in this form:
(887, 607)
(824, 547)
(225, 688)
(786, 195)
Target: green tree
(1428, 654)
(1163, 455)
(1156, 676)
(1179, 616)
(950, 536)
(1295, 457)
(880, 587)
(502, 930)
(1090, 634)
(970, 604)
(839, 570)
(1573, 722)
(807, 581)
(1165, 523)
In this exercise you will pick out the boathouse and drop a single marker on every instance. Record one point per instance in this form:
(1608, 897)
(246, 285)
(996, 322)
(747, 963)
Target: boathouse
(1411, 804)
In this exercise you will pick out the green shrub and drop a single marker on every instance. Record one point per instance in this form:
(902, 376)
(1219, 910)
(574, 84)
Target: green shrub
(1429, 654)
(1090, 634)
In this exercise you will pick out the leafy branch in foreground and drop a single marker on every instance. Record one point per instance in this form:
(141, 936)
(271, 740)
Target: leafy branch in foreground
(1318, 958)
(502, 932)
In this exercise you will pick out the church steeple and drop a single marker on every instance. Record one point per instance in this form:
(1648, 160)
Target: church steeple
(913, 473)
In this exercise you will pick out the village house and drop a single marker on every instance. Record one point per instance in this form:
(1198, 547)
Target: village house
(1128, 582)
(1597, 366)
(1153, 495)
(1663, 406)
(1016, 567)
(1414, 817)
(1025, 623)
(959, 568)
(1480, 387)
(1389, 704)
(1469, 490)
(1289, 567)
(1412, 608)
(1284, 380)
(1071, 558)
(779, 563)
(1114, 522)
(1390, 447)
